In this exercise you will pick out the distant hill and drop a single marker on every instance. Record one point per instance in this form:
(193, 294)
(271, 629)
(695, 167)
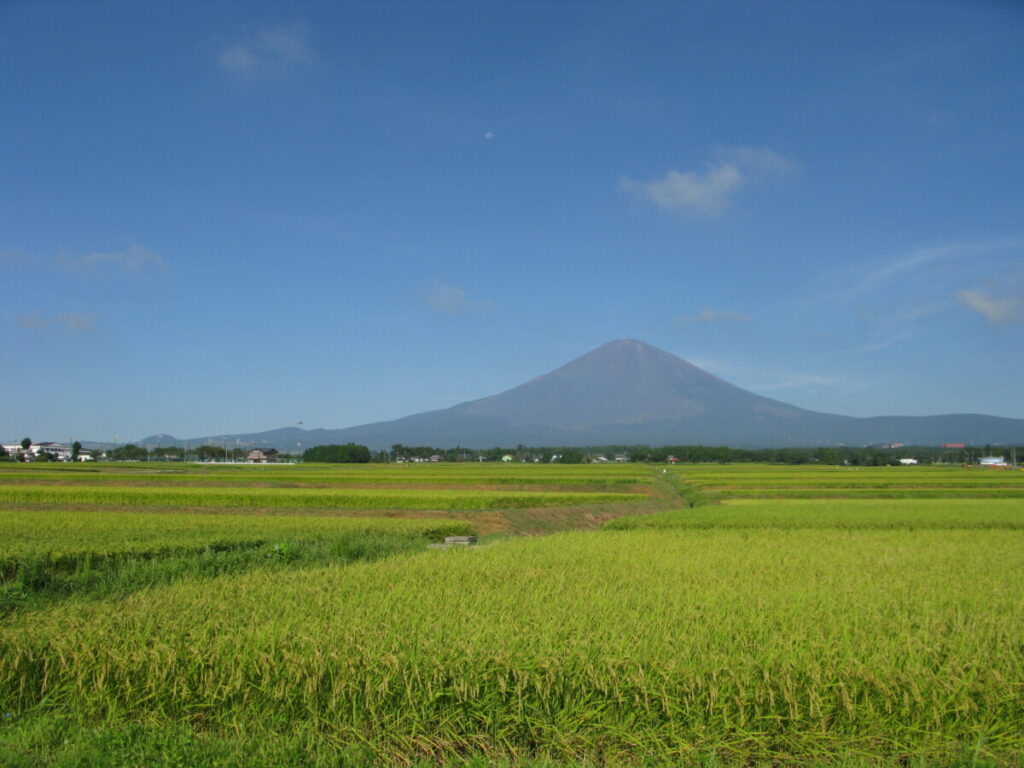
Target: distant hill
(628, 392)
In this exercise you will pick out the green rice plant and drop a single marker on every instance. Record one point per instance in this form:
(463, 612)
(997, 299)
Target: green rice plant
(293, 498)
(328, 476)
(871, 493)
(72, 534)
(833, 631)
(29, 742)
(808, 481)
(943, 513)
(766, 645)
(58, 553)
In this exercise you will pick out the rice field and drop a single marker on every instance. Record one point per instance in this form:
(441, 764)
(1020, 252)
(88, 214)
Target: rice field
(526, 476)
(733, 481)
(769, 631)
(916, 513)
(292, 498)
(67, 537)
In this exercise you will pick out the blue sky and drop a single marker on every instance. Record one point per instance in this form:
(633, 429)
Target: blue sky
(231, 217)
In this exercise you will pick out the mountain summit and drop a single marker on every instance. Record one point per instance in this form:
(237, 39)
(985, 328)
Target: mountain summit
(627, 392)
(621, 382)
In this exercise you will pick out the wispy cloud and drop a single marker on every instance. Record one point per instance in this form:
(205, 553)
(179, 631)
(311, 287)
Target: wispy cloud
(997, 310)
(273, 48)
(711, 316)
(919, 258)
(800, 381)
(766, 379)
(453, 300)
(886, 324)
(135, 258)
(896, 299)
(884, 341)
(711, 191)
(75, 322)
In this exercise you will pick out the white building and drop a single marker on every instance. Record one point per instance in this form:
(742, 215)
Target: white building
(59, 451)
(992, 461)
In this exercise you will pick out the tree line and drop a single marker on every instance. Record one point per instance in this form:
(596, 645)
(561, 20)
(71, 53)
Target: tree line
(693, 454)
(687, 454)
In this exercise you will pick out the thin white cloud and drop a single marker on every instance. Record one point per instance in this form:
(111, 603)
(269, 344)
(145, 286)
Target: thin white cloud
(922, 257)
(886, 341)
(887, 324)
(453, 300)
(239, 59)
(711, 192)
(78, 321)
(273, 48)
(34, 322)
(75, 322)
(997, 310)
(898, 298)
(766, 379)
(800, 381)
(135, 258)
(711, 316)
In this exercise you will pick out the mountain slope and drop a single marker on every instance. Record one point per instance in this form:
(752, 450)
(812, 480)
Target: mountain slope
(621, 382)
(628, 392)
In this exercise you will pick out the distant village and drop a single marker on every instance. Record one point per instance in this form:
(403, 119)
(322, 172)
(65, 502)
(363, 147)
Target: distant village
(892, 454)
(29, 451)
(26, 451)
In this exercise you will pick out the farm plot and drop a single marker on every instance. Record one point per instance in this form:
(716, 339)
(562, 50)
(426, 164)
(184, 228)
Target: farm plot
(827, 631)
(718, 645)
(496, 499)
(462, 476)
(759, 481)
(73, 535)
(293, 498)
(943, 513)
(53, 554)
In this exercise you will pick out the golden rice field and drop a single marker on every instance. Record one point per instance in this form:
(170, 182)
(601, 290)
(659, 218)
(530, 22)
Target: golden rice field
(843, 630)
